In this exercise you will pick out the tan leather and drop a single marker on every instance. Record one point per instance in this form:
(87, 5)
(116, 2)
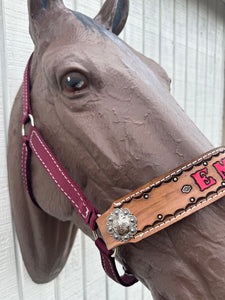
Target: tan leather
(171, 197)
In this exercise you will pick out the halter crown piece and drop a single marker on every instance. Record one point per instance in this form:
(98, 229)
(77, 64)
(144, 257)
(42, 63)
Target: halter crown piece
(147, 210)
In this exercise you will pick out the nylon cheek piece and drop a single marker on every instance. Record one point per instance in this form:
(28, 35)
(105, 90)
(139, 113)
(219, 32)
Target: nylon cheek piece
(34, 143)
(143, 212)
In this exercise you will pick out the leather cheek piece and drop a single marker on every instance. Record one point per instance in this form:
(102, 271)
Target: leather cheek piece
(165, 200)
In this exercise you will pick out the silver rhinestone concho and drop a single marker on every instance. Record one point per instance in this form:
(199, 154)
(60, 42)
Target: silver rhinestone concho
(121, 224)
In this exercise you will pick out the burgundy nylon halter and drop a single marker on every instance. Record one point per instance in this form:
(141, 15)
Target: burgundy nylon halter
(34, 143)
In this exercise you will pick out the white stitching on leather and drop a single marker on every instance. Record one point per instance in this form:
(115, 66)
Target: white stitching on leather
(87, 209)
(116, 204)
(181, 214)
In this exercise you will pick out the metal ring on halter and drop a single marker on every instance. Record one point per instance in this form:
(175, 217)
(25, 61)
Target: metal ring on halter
(115, 252)
(96, 236)
(31, 119)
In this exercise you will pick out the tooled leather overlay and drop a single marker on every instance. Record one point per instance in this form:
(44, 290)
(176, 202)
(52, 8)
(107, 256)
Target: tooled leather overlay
(171, 197)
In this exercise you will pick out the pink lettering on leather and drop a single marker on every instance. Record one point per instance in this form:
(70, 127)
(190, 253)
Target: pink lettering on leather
(202, 180)
(220, 167)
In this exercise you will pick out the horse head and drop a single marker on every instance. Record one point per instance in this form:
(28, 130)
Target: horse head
(107, 113)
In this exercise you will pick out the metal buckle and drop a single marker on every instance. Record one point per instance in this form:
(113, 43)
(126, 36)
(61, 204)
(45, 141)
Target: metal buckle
(31, 119)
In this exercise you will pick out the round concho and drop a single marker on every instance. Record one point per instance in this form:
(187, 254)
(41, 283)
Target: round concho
(121, 224)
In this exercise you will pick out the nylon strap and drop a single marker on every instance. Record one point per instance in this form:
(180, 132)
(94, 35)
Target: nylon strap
(34, 143)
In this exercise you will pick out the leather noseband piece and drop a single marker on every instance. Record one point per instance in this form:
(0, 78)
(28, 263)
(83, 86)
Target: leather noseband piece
(165, 200)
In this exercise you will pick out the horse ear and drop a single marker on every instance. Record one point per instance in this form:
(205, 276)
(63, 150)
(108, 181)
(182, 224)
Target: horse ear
(36, 9)
(113, 15)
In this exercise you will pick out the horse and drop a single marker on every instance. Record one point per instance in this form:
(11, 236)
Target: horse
(107, 113)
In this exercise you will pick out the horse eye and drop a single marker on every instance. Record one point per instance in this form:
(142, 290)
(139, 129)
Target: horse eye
(73, 82)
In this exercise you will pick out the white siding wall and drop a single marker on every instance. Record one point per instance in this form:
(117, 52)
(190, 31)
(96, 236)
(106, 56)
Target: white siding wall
(187, 38)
